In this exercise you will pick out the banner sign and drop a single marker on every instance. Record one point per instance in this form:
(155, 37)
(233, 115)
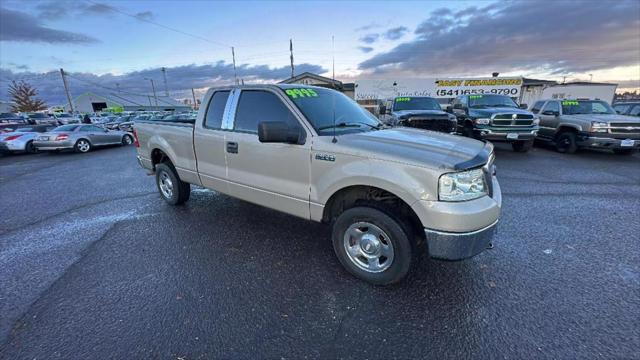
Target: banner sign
(437, 87)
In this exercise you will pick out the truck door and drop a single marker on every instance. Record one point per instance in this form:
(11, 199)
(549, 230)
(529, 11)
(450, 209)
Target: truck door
(209, 142)
(549, 119)
(276, 175)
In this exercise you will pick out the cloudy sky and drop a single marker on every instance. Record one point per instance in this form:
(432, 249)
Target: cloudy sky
(106, 45)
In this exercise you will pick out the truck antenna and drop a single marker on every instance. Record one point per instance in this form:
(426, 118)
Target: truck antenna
(333, 110)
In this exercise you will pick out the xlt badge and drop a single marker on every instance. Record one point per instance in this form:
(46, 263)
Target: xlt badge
(325, 157)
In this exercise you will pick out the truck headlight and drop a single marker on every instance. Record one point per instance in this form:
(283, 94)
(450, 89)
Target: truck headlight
(599, 126)
(461, 186)
(536, 121)
(482, 121)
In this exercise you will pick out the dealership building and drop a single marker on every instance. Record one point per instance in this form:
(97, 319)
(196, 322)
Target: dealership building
(91, 102)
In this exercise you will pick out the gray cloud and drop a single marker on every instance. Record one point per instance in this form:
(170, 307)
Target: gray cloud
(365, 49)
(370, 38)
(367, 27)
(395, 33)
(559, 37)
(19, 26)
(180, 79)
(99, 8)
(144, 15)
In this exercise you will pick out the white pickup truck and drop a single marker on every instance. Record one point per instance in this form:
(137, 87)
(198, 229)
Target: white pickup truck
(314, 153)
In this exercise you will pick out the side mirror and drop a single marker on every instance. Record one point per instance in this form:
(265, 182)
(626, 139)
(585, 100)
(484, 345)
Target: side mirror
(448, 108)
(280, 132)
(523, 106)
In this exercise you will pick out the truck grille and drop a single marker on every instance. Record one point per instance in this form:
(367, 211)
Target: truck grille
(435, 124)
(508, 120)
(624, 128)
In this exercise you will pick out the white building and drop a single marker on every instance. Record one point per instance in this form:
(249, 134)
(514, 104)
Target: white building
(91, 102)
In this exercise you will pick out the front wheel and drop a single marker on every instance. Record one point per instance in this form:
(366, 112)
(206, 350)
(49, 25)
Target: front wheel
(372, 245)
(172, 189)
(566, 142)
(82, 146)
(30, 148)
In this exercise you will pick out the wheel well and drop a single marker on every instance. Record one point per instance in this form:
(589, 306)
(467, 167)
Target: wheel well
(383, 200)
(562, 129)
(158, 156)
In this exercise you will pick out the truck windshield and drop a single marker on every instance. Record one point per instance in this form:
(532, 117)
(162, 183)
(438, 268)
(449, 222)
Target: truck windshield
(415, 103)
(328, 110)
(574, 107)
(482, 101)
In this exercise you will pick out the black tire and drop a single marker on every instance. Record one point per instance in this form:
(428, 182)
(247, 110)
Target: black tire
(522, 146)
(180, 191)
(82, 146)
(127, 140)
(30, 148)
(623, 151)
(467, 130)
(395, 235)
(566, 142)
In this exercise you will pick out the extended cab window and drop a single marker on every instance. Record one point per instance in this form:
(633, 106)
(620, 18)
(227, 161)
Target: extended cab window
(622, 108)
(537, 106)
(215, 111)
(256, 106)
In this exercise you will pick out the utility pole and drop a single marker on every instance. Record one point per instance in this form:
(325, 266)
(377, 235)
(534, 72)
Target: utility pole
(291, 51)
(195, 104)
(233, 55)
(153, 87)
(333, 59)
(164, 76)
(66, 90)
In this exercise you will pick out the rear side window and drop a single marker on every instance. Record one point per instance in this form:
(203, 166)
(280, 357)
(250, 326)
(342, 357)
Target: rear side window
(215, 111)
(256, 106)
(537, 106)
(635, 111)
(622, 108)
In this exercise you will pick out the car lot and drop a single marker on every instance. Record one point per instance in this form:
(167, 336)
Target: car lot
(95, 264)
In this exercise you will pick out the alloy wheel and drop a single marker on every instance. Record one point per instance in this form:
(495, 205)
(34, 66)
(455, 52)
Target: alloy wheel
(368, 247)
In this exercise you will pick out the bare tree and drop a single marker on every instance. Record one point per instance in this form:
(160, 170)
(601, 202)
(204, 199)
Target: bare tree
(24, 97)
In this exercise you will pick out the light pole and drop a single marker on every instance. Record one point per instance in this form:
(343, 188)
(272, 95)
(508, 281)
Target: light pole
(153, 87)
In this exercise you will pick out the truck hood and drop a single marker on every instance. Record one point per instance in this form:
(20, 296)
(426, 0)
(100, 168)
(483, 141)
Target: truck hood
(487, 112)
(407, 113)
(412, 146)
(602, 117)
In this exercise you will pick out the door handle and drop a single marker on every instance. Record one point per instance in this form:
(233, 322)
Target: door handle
(232, 147)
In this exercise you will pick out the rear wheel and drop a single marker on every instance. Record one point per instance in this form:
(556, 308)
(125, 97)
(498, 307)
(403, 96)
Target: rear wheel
(623, 151)
(127, 140)
(372, 245)
(566, 142)
(82, 146)
(522, 146)
(172, 189)
(467, 130)
(30, 148)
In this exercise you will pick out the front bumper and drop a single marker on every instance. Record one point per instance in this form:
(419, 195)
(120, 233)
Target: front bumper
(458, 246)
(10, 146)
(604, 142)
(506, 135)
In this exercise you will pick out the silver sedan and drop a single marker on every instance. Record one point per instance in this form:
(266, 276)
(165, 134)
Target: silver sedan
(81, 138)
(21, 140)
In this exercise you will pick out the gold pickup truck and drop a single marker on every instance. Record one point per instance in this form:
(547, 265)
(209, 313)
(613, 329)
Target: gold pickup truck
(314, 153)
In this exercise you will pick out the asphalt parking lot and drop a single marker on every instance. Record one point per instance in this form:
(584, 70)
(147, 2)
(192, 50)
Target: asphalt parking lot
(95, 265)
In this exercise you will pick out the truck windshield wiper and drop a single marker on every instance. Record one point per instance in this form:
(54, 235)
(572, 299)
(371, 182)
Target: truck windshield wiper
(349, 125)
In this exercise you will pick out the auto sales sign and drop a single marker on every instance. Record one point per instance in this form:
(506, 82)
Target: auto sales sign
(437, 87)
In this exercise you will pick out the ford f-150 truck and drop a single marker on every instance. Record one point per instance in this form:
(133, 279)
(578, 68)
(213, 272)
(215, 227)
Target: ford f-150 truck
(314, 153)
(496, 118)
(419, 112)
(572, 124)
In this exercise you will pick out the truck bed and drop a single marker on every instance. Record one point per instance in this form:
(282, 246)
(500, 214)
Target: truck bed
(173, 136)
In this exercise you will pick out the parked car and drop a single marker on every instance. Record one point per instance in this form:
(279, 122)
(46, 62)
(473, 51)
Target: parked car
(574, 124)
(41, 119)
(21, 140)
(81, 138)
(495, 118)
(315, 153)
(64, 119)
(631, 108)
(11, 118)
(419, 112)
(114, 123)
